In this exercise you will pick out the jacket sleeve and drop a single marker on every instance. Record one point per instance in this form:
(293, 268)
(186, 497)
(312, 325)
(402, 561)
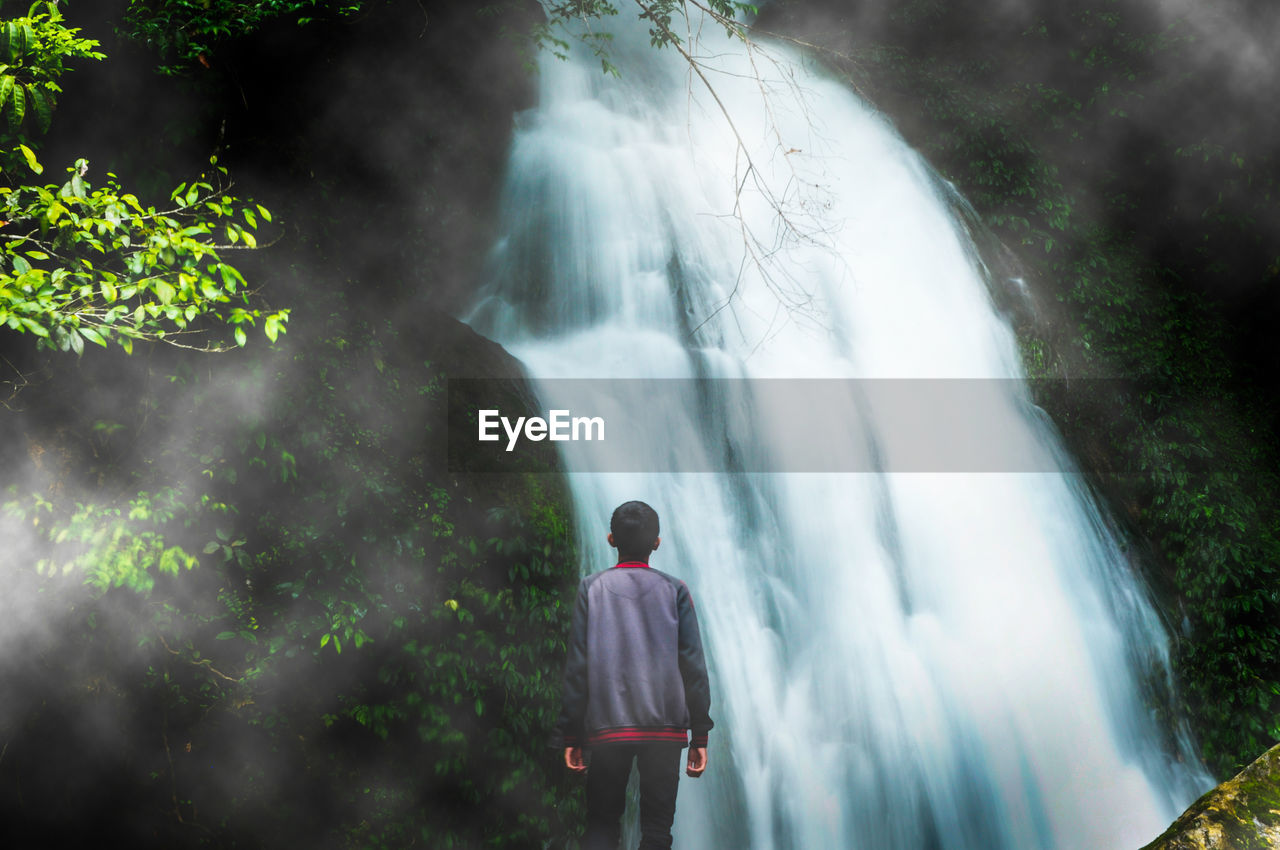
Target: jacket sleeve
(693, 669)
(569, 728)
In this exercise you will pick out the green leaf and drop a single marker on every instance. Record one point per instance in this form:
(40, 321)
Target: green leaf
(241, 337)
(19, 110)
(93, 336)
(164, 291)
(14, 41)
(35, 327)
(230, 276)
(21, 41)
(32, 162)
(42, 104)
(211, 547)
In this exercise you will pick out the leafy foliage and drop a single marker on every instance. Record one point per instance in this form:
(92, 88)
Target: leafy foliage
(112, 546)
(79, 263)
(188, 31)
(95, 264)
(388, 637)
(34, 50)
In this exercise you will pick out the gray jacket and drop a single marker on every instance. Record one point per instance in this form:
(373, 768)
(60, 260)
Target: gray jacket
(635, 670)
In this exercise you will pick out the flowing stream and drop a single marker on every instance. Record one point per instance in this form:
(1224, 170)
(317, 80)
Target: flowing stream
(899, 660)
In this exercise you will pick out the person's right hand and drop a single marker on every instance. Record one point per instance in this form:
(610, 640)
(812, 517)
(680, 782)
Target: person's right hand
(697, 761)
(573, 759)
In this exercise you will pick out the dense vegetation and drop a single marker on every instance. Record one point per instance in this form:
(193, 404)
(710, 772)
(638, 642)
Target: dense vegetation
(293, 624)
(249, 599)
(250, 604)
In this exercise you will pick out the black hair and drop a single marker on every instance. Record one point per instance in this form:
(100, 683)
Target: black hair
(634, 526)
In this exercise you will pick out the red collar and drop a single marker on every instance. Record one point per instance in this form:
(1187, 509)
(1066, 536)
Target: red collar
(631, 564)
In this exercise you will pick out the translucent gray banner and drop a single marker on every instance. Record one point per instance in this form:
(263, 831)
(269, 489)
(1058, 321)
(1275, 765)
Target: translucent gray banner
(752, 425)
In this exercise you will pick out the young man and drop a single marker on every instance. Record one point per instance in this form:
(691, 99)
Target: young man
(635, 683)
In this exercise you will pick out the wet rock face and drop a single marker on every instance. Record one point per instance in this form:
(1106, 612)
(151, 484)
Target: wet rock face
(1242, 813)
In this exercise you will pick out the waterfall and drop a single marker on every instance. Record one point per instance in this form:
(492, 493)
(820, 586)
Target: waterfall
(899, 660)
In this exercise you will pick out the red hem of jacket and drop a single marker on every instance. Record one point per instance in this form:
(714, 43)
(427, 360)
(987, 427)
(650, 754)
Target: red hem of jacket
(638, 735)
(696, 741)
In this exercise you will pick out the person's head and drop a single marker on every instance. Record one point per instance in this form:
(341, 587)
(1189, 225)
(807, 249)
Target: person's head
(633, 529)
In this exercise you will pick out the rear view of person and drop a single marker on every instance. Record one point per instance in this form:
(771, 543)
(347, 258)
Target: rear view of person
(635, 686)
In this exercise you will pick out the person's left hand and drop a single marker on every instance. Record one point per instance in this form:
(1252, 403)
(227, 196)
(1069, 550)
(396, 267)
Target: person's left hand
(697, 761)
(573, 759)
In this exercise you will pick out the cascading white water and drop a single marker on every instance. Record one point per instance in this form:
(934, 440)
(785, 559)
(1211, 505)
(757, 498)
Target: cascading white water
(900, 661)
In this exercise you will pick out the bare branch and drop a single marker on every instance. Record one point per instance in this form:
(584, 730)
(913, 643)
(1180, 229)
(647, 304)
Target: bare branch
(786, 202)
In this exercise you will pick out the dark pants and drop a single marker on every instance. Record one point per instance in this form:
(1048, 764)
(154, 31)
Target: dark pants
(607, 775)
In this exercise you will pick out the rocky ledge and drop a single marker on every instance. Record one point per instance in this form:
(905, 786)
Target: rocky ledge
(1242, 813)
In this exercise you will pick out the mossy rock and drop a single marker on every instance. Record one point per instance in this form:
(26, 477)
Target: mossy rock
(1242, 813)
